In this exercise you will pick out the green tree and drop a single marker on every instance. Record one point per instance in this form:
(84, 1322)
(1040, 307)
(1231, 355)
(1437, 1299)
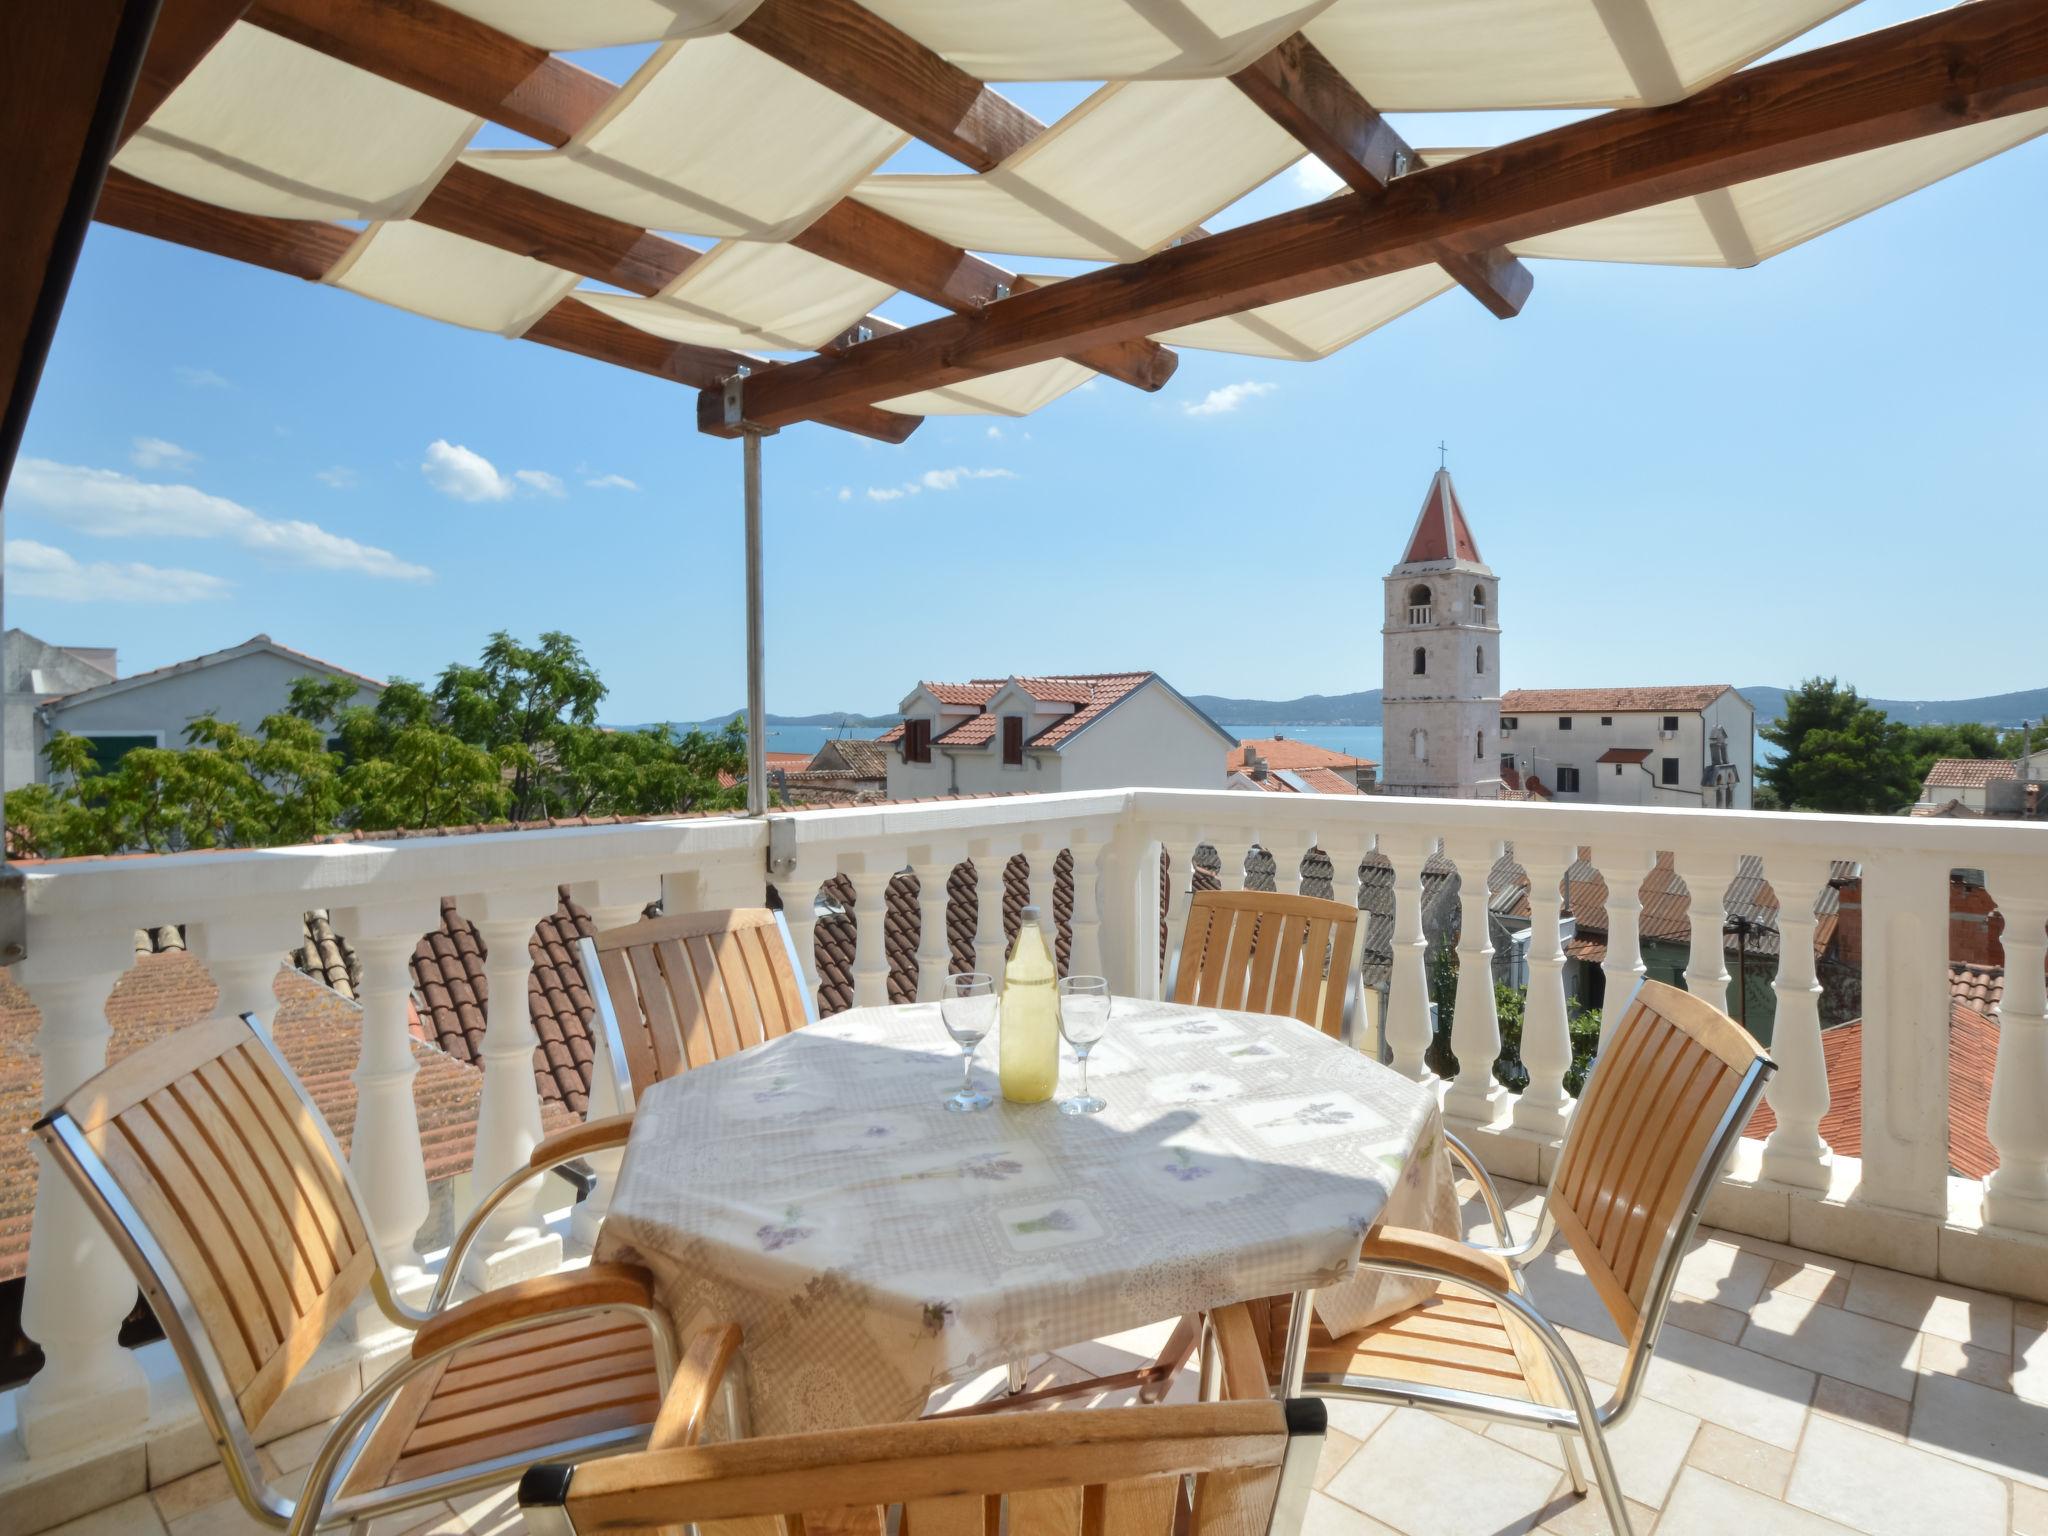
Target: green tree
(1838, 753)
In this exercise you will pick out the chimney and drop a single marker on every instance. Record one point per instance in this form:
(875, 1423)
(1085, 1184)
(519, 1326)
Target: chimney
(1255, 765)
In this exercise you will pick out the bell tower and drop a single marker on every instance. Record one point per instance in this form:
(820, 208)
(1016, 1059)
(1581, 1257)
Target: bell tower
(1441, 669)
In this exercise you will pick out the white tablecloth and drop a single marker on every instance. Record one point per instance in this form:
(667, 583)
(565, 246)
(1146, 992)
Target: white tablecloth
(873, 1245)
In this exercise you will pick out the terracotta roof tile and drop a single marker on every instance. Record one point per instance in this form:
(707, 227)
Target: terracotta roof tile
(962, 693)
(1284, 752)
(1969, 772)
(1441, 532)
(868, 759)
(1978, 987)
(1611, 701)
(1623, 755)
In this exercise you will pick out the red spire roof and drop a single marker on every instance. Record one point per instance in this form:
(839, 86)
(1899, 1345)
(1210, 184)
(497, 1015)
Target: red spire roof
(1441, 532)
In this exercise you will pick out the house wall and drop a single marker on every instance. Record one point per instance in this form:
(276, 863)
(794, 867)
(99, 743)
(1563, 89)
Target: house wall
(242, 690)
(1541, 747)
(22, 658)
(1152, 740)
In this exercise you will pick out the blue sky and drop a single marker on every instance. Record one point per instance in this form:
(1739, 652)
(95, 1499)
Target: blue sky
(1829, 463)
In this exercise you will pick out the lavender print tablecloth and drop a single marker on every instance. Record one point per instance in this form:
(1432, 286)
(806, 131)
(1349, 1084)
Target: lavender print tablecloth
(874, 1246)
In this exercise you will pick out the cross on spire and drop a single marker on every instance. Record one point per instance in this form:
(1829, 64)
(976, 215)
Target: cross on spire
(1443, 455)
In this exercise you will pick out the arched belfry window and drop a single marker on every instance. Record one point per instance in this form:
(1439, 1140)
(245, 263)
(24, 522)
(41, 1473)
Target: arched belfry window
(1479, 661)
(1419, 740)
(1419, 603)
(1421, 661)
(1479, 603)
(1479, 746)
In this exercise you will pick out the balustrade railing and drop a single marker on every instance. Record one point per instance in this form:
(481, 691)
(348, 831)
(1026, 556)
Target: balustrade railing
(1097, 857)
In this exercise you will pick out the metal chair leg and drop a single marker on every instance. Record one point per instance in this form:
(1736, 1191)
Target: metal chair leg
(1610, 1484)
(1571, 1462)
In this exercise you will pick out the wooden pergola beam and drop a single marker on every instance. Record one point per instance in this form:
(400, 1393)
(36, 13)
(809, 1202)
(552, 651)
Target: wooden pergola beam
(453, 58)
(865, 59)
(1307, 95)
(1979, 61)
(309, 248)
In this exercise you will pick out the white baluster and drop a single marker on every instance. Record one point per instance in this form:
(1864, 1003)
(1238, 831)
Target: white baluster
(1624, 869)
(1798, 1090)
(1706, 878)
(1231, 856)
(870, 875)
(1407, 1023)
(609, 907)
(1476, 1095)
(1344, 880)
(385, 1157)
(799, 892)
(515, 1244)
(990, 942)
(242, 955)
(1039, 877)
(1906, 1011)
(1180, 892)
(79, 1289)
(934, 943)
(2016, 1194)
(1086, 956)
(1544, 1106)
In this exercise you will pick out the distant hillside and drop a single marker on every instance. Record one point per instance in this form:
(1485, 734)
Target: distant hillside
(717, 722)
(1996, 709)
(1312, 709)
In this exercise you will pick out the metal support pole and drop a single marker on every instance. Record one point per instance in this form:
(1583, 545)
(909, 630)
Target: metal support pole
(757, 713)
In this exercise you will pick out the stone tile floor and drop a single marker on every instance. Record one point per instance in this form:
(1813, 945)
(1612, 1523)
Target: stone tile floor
(1793, 1395)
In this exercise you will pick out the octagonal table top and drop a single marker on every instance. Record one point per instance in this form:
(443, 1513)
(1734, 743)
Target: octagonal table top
(874, 1246)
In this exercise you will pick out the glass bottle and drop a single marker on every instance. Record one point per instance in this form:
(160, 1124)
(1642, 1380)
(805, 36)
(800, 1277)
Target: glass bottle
(1031, 1028)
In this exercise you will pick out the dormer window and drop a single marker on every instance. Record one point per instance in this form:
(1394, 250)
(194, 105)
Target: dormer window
(1013, 741)
(917, 741)
(1419, 603)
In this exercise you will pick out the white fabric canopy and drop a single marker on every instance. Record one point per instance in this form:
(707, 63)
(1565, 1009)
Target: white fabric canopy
(567, 25)
(1746, 223)
(1316, 324)
(265, 126)
(710, 137)
(1097, 39)
(748, 294)
(1134, 166)
(1015, 392)
(1478, 55)
(445, 277)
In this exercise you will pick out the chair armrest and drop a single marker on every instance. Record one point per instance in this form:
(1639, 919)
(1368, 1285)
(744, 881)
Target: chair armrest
(1405, 1245)
(699, 1375)
(578, 1290)
(591, 1136)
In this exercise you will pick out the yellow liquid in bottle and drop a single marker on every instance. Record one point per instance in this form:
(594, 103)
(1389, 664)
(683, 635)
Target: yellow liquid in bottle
(1030, 1051)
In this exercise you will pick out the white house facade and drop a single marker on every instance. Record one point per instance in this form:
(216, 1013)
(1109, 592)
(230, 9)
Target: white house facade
(37, 672)
(1022, 735)
(1675, 746)
(1441, 669)
(242, 685)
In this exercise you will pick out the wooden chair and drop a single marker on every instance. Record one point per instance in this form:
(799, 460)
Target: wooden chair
(1105, 1472)
(1664, 1108)
(671, 993)
(1265, 953)
(221, 1186)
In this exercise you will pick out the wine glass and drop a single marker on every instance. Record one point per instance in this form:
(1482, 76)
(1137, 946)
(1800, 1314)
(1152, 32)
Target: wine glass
(967, 1007)
(1084, 1018)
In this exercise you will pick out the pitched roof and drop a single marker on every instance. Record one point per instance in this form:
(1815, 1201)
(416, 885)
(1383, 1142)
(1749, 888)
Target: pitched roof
(868, 759)
(1441, 532)
(1285, 752)
(1295, 781)
(1972, 1059)
(1095, 694)
(249, 647)
(962, 693)
(1623, 755)
(1611, 701)
(1969, 772)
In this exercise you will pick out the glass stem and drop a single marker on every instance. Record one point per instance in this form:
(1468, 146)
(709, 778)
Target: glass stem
(967, 1070)
(1084, 1072)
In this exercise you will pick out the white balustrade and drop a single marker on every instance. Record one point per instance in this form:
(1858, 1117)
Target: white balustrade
(78, 1288)
(1906, 1010)
(1408, 1025)
(1180, 889)
(1039, 855)
(1476, 1094)
(934, 942)
(1544, 1105)
(870, 875)
(612, 902)
(1798, 1090)
(1706, 877)
(1624, 868)
(243, 952)
(1087, 918)
(991, 943)
(2016, 1194)
(799, 893)
(514, 1245)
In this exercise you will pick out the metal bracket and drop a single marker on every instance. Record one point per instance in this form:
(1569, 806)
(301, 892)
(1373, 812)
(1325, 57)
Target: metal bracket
(781, 846)
(735, 401)
(13, 915)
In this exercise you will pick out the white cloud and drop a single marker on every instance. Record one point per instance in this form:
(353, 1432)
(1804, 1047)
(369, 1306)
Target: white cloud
(935, 480)
(1315, 178)
(846, 493)
(995, 433)
(40, 570)
(611, 483)
(454, 471)
(1220, 402)
(160, 453)
(202, 378)
(539, 480)
(340, 477)
(111, 505)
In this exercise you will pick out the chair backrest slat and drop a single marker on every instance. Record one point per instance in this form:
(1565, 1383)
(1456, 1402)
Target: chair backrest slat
(1269, 953)
(207, 1138)
(696, 988)
(1644, 1127)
